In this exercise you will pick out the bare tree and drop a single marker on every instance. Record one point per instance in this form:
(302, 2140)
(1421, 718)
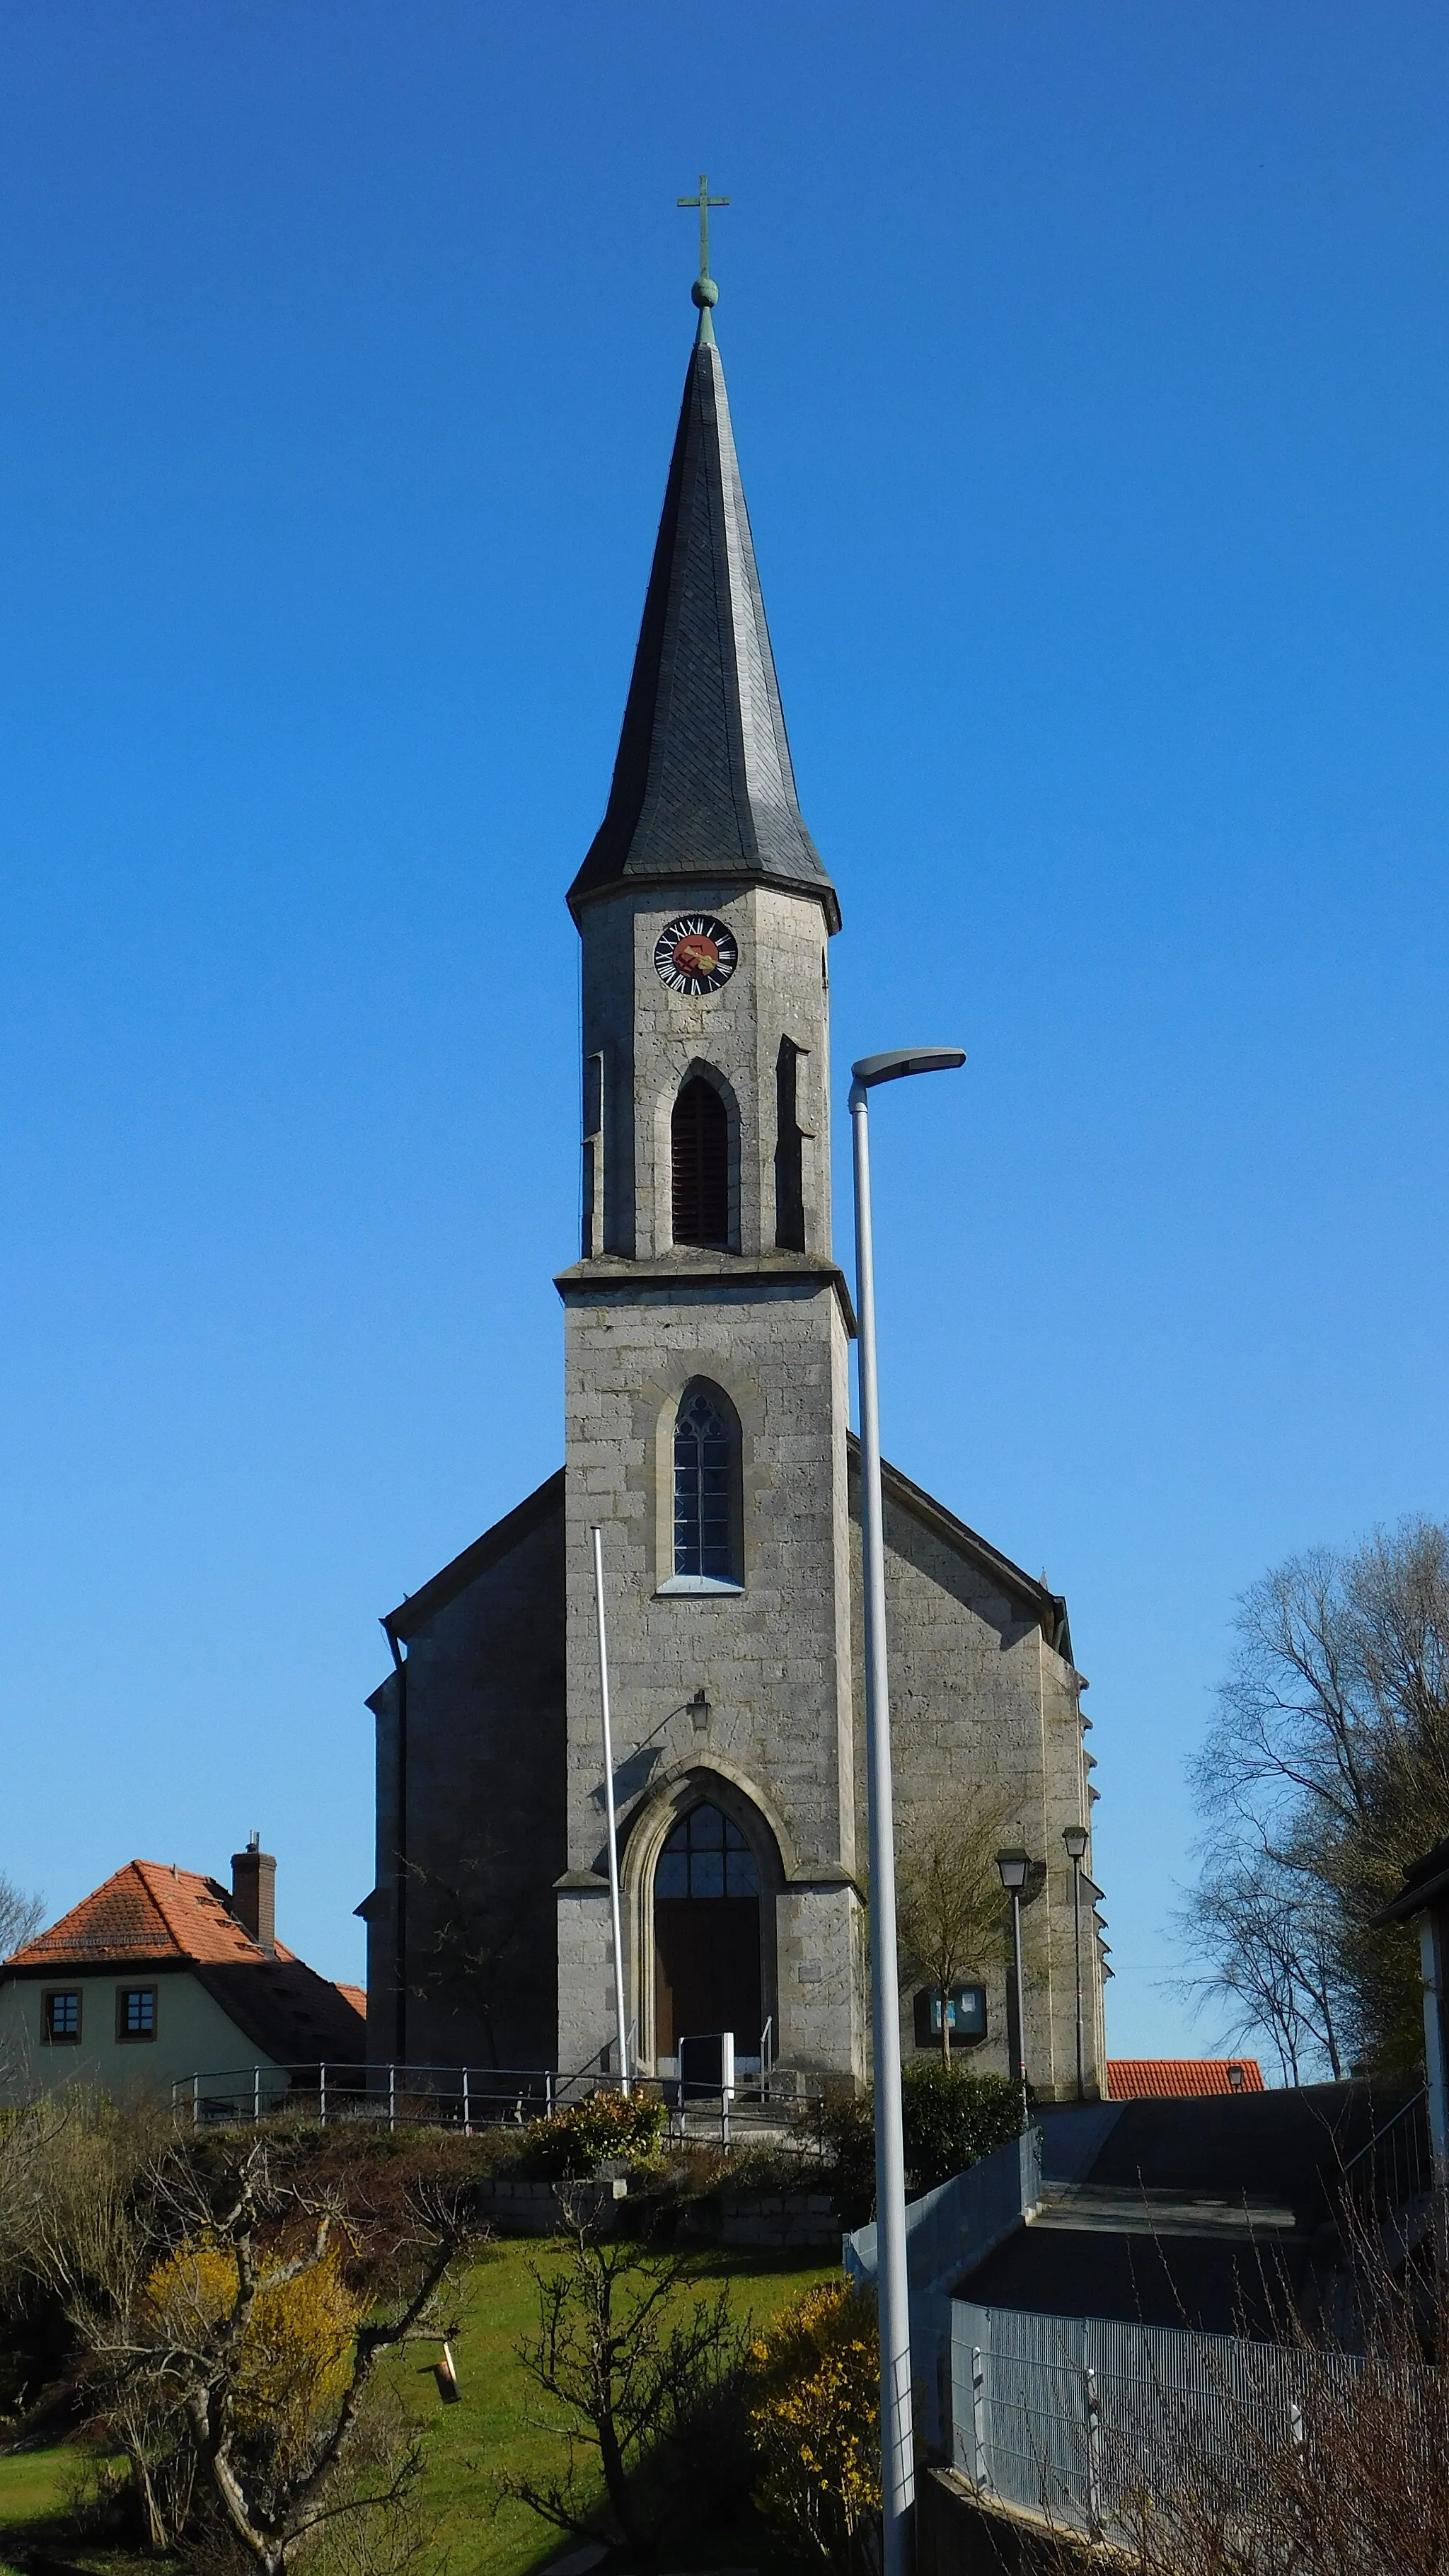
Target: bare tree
(21, 1916)
(634, 2372)
(1351, 2480)
(1270, 1934)
(273, 2468)
(224, 2346)
(950, 1911)
(1326, 1771)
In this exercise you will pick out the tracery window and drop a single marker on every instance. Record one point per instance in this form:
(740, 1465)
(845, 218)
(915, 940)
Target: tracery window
(699, 1137)
(706, 1487)
(706, 1855)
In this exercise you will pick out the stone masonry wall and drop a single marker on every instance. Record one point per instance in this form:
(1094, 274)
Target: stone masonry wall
(651, 1038)
(771, 1660)
(485, 1820)
(982, 1708)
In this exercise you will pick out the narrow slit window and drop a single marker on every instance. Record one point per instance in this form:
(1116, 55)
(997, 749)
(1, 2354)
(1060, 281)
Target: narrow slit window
(789, 1151)
(700, 1153)
(706, 1488)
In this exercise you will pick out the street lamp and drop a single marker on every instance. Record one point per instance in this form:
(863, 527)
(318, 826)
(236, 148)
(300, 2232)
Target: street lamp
(1075, 1838)
(1013, 1868)
(898, 2467)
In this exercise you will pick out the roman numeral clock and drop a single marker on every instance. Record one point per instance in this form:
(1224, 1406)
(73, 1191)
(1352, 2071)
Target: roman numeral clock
(695, 954)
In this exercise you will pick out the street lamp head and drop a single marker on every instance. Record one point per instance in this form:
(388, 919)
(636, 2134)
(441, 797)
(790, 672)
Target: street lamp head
(899, 1061)
(1075, 1838)
(1013, 1867)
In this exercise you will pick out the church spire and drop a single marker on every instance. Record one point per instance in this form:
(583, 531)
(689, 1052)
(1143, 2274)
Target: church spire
(703, 787)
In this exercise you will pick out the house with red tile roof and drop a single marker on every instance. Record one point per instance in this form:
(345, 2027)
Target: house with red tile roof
(1180, 2079)
(162, 1973)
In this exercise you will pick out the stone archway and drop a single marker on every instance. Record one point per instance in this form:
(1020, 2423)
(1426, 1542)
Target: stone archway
(705, 1878)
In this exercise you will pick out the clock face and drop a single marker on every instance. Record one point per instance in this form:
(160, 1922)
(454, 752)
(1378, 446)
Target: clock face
(695, 954)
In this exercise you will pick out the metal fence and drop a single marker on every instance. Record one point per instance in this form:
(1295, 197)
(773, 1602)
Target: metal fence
(470, 2098)
(1078, 2418)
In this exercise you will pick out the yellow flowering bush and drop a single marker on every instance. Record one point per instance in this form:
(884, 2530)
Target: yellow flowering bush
(296, 2344)
(814, 2420)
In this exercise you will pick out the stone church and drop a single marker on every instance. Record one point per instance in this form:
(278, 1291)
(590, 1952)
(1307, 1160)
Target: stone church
(708, 1333)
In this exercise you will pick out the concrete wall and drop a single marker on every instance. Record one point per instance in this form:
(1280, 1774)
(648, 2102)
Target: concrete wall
(193, 2036)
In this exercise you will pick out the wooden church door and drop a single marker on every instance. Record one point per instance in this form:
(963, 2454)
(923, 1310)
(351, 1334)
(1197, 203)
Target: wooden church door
(707, 1935)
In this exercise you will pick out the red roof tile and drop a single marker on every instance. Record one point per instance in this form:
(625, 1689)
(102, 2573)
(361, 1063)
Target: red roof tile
(152, 1910)
(1176, 2079)
(149, 1910)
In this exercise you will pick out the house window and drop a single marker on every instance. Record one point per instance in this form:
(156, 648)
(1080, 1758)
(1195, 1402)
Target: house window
(699, 1137)
(135, 2012)
(60, 2018)
(706, 1490)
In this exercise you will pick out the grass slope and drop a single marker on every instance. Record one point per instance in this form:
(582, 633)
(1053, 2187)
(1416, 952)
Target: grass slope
(500, 2422)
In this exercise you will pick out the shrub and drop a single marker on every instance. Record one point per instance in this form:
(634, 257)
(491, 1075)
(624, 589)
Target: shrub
(295, 2358)
(951, 2120)
(814, 2421)
(575, 2143)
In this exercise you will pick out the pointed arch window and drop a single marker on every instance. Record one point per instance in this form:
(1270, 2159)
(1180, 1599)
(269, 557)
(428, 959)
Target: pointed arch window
(699, 1138)
(707, 1493)
(706, 1855)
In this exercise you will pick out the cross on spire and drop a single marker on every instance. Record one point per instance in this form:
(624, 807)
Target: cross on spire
(704, 201)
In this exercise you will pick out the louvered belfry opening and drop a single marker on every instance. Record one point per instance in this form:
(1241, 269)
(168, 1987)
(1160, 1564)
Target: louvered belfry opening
(700, 1144)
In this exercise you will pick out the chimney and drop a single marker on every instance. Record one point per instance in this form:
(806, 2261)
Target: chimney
(254, 1893)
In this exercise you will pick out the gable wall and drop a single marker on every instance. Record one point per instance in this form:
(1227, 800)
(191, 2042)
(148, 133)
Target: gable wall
(193, 2036)
(983, 1708)
(484, 1831)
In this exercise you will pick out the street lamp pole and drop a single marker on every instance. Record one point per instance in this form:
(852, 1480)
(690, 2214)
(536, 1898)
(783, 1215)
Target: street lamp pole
(1013, 1867)
(1075, 1838)
(898, 2469)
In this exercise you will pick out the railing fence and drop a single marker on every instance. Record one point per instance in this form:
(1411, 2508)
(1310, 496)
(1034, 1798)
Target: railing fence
(1396, 2168)
(471, 2098)
(1081, 2418)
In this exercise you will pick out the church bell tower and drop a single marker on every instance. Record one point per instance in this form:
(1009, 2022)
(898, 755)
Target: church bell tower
(707, 1332)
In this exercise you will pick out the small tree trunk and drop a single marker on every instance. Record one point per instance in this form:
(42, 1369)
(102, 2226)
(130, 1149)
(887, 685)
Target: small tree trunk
(946, 2028)
(156, 2531)
(616, 2483)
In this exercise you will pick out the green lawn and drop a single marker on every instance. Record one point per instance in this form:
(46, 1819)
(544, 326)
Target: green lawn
(36, 2489)
(497, 2423)
(495, 2426)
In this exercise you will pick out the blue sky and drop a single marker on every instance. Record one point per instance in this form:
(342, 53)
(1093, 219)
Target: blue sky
(1088, 367)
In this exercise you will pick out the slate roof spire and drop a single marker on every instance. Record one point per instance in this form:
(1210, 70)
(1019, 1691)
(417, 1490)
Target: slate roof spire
(703, 786)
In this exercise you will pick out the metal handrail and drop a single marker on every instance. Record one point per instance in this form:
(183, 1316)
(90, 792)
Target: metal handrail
(1376, 2141)
(1396, 2165)
(327, 2089)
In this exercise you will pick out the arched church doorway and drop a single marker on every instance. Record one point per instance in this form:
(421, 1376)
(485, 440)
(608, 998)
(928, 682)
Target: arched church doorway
(707, 1934)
